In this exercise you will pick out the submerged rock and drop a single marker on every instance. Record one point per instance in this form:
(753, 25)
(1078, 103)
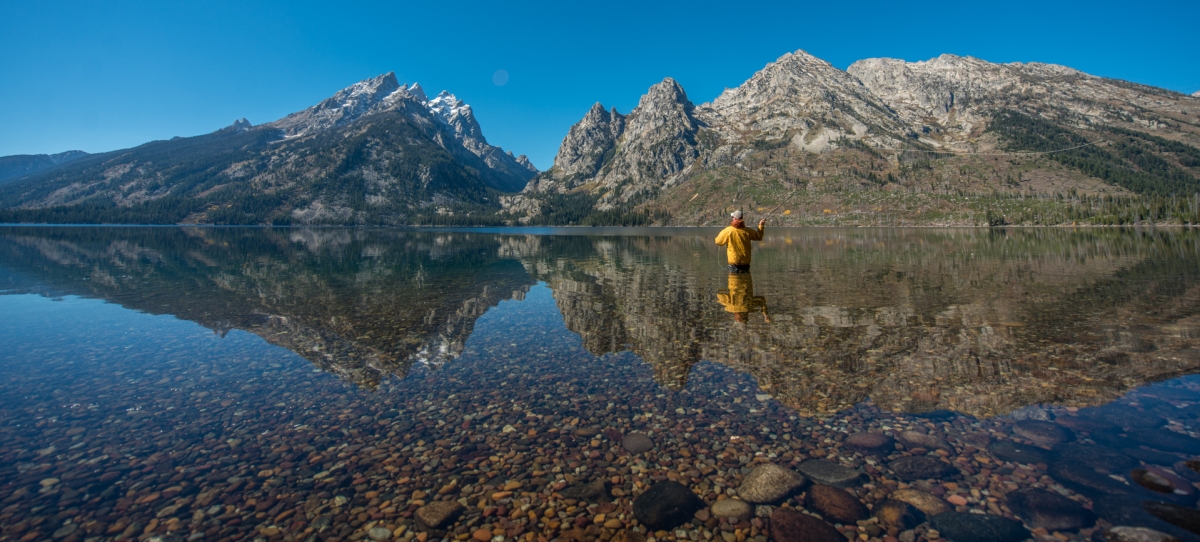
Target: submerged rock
(928, 503)
(1136, 534)
(901, 515)
(666, 505)
(830, 473)
(1179, 516)
(438, 514)
(1007, 450)
(769, 483)
(1042, 432)
(961, 527)
(733, 509)
(870, 443)
(1051, 511)
(594, 491)
(791, 525)
(921, 467)
(836, 504)
(636, 443)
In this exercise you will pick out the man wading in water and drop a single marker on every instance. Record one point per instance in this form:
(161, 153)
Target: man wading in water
(736, 240)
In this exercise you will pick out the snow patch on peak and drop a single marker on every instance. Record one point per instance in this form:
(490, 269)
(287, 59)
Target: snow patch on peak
(1196, 94)
(417, 92)
(447, 107)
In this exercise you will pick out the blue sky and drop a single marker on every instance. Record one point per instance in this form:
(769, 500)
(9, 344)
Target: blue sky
(99, 76)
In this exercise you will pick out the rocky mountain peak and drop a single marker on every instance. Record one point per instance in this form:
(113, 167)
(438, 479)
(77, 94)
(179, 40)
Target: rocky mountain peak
(802, 97)
(417, 92)
(240, 125)
(583, 150)
(1196, 94)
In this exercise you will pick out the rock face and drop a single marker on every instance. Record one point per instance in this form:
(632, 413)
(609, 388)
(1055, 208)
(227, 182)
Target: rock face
(666, 505)
(791, 525)
(376, 152)
(623, 157)
(769, 483)
(953, 95)
(1042, 432)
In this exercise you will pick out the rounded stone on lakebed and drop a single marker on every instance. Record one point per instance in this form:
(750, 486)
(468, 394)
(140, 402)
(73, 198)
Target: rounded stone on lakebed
(928, 503)
(438, 514)
(1007, 450)
(835, 504)
(1179, 516)
(870, 443)
(1042, 432)
(964, 527)
(1094, 457)
(791, 525)
(636, 443)
(913, 439)
(1136, 534)
(921, 467)
(830, 473)
(1051, 511)
(901, 515)
(666, 505)
(769, 483)
(733, 509)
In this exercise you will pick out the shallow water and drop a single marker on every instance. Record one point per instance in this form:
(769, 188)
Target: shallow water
(242, 383)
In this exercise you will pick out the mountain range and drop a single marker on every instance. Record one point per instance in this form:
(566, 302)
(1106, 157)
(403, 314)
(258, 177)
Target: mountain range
(953, 140)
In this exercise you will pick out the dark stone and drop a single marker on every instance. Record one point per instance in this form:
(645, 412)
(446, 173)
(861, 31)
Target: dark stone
(1184, 518)
(1085, 479)
(870, 443)
(1151, 481)
(1094, 457)
(959, 527)
(1162, 439)
(830, 473)
(1152, 457)
(666, 505)
(1125, 533)
(791, 525)
(1054, 512)
(1007, 450)
(939, 414)
(637, 443)
(921, 467)
(594, 491)
(900, 515)
(1123, 510)
(1124, 416)
(1042, 432)
(835, 504)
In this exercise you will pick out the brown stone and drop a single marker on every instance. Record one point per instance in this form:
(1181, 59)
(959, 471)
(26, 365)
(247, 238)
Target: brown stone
(791, 525)
(438, 514)
(925, 502)
(870, 443)
(899, 514)
(836, 505)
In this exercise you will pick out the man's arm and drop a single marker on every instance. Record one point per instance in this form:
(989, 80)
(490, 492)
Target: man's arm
(723, 237)
(762, 230)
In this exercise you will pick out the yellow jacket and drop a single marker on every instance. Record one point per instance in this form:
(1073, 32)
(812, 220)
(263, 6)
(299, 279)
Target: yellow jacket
(737, 243)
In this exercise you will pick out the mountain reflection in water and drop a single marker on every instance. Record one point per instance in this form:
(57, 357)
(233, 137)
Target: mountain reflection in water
(981, 322)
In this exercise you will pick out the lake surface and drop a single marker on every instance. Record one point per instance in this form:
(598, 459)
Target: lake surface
(317, 384)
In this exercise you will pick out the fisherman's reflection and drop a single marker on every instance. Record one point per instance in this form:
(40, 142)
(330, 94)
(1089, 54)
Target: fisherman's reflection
(740, 299)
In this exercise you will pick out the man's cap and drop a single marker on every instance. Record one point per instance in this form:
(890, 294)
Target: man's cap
(736, 214)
